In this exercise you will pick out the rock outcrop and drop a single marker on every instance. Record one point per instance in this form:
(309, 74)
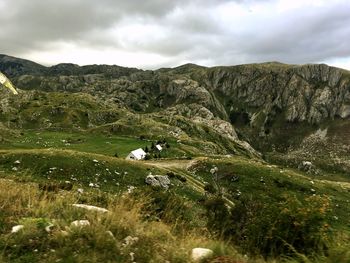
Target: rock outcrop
(158, 181)
(254, 105)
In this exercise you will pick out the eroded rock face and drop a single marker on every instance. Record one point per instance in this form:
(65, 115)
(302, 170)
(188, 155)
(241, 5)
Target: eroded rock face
(252, 101)
(309, 93)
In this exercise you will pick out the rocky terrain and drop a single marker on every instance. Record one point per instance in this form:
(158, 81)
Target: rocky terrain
(256, 108)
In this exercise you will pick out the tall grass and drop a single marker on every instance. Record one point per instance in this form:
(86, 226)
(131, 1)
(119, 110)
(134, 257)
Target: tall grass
(105, 240)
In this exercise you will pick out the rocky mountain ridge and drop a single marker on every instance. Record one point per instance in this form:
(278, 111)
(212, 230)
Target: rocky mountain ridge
(268, 105)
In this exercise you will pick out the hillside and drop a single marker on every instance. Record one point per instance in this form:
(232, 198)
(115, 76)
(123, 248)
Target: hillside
(275, 133)
(271, 106)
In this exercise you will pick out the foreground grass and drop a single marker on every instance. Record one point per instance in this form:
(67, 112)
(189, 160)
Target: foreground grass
(120, 235)
(163, 231)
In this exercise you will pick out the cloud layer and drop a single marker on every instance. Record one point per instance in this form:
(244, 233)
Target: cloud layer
(156, 33)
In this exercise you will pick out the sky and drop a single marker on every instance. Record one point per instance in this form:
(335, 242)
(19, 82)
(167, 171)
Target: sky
(151, 34)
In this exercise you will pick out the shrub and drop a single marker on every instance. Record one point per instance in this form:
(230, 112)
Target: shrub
(285, 227)
(168, 207)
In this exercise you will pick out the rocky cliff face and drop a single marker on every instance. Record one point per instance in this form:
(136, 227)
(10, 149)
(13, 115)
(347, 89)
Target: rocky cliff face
(310, 93)
(262, 103)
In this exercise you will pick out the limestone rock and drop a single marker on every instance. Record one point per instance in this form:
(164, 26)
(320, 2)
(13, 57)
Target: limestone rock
(158, 181)
(308, 167)
(199, 254)
(91, 208)
(80, 223)
(17, 228)
(151, 180)
(129, 241)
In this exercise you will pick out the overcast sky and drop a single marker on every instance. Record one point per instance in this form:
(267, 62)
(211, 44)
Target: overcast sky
(159, 33)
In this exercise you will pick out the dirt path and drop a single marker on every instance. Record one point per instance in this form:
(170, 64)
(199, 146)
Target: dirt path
(177, 164)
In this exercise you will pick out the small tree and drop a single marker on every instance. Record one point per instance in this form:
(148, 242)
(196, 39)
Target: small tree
(148, 156)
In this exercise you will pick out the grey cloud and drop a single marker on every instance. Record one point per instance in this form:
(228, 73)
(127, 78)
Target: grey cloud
(308, 36)
(39, 21)
(190, 30)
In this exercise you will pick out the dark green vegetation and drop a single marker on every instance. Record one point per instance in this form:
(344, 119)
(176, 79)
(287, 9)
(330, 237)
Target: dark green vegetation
(278, 135)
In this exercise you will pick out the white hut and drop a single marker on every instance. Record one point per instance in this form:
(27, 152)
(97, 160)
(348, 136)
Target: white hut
(159, 147)
(137, 154)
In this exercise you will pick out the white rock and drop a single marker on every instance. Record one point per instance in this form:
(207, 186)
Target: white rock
(91, 208)
(95, 161)
(151, 180)
(199, 254)
(80, 223)
(158, 180)
(48, 228)
(214, 170)
(17, 228)
(131, 189)
(14, 168)
(129, 240)
(80, 190)
(17, 162)
(307, 163)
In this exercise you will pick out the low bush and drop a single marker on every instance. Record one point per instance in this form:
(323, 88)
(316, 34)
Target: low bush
(286, 227)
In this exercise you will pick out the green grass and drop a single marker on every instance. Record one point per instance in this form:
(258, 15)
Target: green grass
(108, 145)
(84, 142)
(269, 182)
(109, 173)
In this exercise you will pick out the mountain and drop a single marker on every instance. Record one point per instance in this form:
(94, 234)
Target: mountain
(12, 66)
(272, 106)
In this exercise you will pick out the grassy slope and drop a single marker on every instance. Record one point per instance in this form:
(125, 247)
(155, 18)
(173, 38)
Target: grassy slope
(84, 142)
(25, 204)
(276, 182)
(93, 242)
(80, 168)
